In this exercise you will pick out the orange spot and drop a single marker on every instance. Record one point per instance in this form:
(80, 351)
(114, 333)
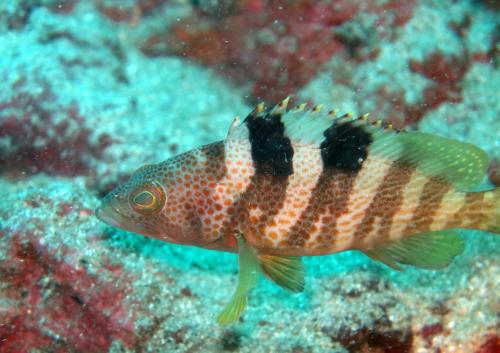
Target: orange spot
(206, 221)
(234, 171)
(273, 235)
(284, 221)
(344, 223)
(283, 243)
(357, 216)
(268, 243)
(210, 211)
(239, 163)
(227, 202)
(218, 207)
(219, 217)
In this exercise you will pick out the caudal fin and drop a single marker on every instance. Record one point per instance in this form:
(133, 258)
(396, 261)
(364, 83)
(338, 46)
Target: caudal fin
(492, 200)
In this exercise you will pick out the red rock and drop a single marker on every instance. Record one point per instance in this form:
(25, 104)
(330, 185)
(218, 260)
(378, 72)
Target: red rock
(494, 172)
(429, 331)
(278, 48)
(53, 298)
(442, 70)
(45, 136)
(490, 345)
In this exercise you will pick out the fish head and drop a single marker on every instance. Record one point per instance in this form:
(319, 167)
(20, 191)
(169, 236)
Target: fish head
(139, 205)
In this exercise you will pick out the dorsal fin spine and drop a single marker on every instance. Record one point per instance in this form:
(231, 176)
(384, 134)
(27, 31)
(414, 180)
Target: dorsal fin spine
(317, 108)
(259, 108)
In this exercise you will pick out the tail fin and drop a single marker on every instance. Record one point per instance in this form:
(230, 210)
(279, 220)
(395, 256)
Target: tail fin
(492, 200)
(480, 211)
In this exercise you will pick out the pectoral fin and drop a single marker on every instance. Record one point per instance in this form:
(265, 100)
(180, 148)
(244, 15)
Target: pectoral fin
(432, 251)
(248, 277)
(285, 271)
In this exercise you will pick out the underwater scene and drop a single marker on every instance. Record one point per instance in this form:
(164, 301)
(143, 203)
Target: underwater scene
(291, 176)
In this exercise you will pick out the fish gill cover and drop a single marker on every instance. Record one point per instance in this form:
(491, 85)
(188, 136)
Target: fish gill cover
(92, 90)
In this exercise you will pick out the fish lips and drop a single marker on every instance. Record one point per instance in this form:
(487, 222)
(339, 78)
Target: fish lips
(110, 215)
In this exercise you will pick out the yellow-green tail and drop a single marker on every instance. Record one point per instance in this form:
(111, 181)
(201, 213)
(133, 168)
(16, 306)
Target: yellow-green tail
(492, 199)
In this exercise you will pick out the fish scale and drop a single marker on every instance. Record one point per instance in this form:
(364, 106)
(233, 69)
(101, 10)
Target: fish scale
(287, 183)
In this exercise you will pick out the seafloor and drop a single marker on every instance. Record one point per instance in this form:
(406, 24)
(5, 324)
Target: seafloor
(91, 90)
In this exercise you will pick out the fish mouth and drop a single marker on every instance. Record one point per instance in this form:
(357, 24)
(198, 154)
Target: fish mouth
(110, 215)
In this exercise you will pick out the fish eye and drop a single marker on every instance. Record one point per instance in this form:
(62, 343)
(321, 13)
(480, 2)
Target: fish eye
(147, 199)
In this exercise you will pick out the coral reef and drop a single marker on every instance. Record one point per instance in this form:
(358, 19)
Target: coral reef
(92, 90)
(58, 98)
(412, 74)
(57, 306)
(277, 46)
(39, 135)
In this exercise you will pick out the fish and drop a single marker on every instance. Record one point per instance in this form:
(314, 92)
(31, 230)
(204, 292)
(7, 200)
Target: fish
(289, 182)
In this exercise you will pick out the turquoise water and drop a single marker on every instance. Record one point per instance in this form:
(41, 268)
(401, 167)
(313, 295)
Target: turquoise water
(92, 90)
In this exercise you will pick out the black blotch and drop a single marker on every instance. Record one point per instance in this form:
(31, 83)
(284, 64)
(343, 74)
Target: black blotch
(345, 147)
(272, 151)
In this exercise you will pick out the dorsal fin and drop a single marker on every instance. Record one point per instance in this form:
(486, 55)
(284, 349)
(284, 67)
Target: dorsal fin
(461, 164)
(348, 140)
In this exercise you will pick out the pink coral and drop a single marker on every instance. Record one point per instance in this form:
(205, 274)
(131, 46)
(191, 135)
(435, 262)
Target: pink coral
(277, 45)
(58, 306)
(44, 136)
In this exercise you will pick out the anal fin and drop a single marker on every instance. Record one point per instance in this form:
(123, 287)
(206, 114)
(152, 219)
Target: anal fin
(432, 251)
(286, 271)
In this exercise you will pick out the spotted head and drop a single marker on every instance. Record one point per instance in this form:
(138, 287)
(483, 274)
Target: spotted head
(148, 204)
(136, 205)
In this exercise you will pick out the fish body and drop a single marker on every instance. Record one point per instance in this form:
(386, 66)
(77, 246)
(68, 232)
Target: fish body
(287, 183)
